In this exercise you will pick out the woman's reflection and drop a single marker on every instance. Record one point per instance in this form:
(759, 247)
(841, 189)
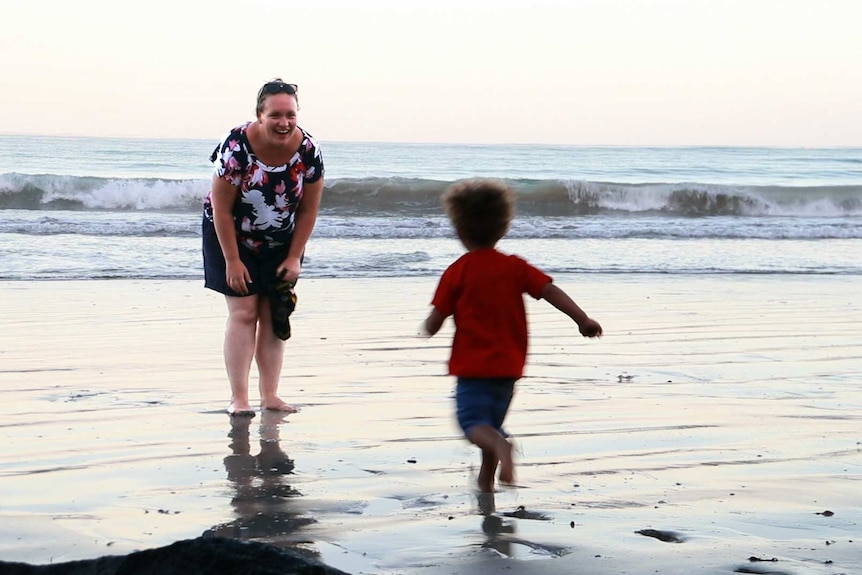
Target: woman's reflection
(262, 495)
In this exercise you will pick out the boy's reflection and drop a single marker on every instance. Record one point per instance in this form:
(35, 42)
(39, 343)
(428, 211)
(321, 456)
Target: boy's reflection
(494, 527)
(500, 533)
(262, 496)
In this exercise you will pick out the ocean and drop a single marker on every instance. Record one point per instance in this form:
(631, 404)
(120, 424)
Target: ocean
(103, 208)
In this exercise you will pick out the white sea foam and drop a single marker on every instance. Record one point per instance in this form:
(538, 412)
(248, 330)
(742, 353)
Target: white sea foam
(396, 197)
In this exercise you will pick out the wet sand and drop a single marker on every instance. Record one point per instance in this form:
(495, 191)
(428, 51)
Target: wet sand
(716, 428)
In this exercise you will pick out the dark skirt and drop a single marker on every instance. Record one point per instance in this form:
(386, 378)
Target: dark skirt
(261, 268)
(264, 279)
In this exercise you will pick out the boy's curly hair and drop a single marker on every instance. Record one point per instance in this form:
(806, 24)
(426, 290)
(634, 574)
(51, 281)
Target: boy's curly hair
(480, 209)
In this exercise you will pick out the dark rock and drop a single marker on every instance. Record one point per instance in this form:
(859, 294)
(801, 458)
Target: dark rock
(201, 556)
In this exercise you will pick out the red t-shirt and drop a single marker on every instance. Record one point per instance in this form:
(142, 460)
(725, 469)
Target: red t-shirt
(484, 290)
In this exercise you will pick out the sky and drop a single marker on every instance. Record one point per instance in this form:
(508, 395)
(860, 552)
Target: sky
(580, 72)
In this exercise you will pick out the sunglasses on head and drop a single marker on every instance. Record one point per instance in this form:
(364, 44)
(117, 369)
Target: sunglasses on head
(277, 87)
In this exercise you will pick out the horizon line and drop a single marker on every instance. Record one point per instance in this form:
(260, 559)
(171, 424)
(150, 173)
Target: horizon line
(465, 143)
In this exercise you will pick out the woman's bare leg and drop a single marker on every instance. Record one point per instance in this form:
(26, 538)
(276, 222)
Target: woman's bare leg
(239, 344)
(269, 354)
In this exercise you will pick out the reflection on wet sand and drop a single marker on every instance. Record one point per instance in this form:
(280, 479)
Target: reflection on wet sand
(494, 527)
(500, 528)
(262, 498)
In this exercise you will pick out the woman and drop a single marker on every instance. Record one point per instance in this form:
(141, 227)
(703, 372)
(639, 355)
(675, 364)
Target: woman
(258, 217)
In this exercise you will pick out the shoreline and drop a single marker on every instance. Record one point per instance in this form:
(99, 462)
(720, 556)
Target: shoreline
(724, 410)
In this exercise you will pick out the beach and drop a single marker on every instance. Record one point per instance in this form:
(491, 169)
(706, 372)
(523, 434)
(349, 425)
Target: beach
(715, 428)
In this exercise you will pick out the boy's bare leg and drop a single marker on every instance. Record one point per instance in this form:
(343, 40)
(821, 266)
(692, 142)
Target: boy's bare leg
(487, 471)
(494, 448)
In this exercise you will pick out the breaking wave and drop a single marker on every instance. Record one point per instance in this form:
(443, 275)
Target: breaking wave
(396, 196)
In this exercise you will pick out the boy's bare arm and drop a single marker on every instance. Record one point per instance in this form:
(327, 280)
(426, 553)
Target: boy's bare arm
(432, 323)
(561, 300)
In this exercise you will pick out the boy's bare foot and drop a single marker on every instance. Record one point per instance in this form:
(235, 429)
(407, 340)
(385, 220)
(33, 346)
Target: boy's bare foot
(485, 479)
(279, 405)
(486, 503)
(507, 464)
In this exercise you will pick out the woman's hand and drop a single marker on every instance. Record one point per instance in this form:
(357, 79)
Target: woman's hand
(237, 276)
(289, 269)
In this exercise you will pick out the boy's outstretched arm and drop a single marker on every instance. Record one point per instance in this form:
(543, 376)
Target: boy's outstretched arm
(432, 323)
(561, 300)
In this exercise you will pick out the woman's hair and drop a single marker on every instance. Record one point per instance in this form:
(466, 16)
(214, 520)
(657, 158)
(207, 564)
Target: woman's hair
(480, 209)
(275, 86)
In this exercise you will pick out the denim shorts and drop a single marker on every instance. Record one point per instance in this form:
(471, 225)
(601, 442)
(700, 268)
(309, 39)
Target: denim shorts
(483, 401)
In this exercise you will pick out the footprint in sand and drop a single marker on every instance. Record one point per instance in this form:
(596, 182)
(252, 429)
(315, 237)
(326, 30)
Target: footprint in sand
(666, 536)
(522, 513)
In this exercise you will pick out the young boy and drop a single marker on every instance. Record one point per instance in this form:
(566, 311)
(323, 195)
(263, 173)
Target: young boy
(484, 290)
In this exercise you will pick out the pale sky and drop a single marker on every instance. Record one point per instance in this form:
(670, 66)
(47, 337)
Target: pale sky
(584, 72)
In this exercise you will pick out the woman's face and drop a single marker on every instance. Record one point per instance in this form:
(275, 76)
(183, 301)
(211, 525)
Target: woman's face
(278, 117)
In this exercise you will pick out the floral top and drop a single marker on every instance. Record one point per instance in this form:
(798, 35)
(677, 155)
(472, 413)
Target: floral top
(265, 208)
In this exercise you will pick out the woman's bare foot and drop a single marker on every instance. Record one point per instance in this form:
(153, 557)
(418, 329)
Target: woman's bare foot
(240, 409)
(278, 405)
